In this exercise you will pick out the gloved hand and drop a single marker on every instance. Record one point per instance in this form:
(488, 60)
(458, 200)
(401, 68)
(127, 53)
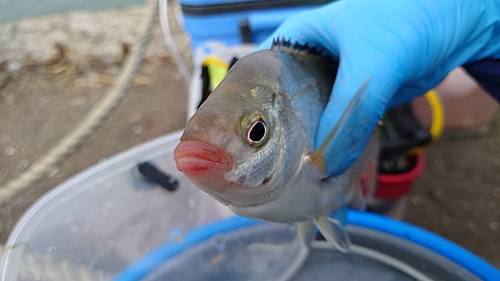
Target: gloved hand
(406, 47)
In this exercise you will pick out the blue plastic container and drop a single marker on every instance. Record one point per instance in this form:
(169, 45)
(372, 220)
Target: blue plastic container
(237, 22)
(383, 249)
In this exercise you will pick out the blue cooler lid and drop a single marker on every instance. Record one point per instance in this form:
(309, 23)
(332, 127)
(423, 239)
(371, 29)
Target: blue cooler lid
(238, 22)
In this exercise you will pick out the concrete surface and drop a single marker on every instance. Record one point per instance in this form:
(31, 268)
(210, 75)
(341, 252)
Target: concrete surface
(88, 37)
(457, 197)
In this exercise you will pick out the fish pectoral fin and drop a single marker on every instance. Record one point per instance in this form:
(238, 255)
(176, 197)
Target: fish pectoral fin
(357, 199)
(334, 233)
(351, 115)
(306, 231)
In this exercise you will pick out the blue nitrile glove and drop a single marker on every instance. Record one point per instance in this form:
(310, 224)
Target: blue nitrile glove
(406, 47)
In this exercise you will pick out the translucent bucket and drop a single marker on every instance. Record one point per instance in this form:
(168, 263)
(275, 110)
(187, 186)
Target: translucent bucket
(110, 222)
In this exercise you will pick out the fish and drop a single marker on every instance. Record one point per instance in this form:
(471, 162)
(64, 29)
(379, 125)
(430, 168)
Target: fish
(250, 145)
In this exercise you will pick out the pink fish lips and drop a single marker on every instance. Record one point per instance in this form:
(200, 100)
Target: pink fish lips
(203, 163)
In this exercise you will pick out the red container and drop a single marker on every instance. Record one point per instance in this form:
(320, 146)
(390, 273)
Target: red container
(394, 186)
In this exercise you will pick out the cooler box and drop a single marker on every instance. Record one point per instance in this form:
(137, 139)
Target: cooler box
(238, 22)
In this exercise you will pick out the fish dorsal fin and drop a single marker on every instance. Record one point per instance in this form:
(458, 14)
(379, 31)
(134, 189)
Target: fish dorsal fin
(295, 48)
(341, 128)
(334, 233)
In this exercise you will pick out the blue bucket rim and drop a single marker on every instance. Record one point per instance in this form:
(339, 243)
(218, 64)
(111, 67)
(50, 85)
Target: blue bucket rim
(422, 237)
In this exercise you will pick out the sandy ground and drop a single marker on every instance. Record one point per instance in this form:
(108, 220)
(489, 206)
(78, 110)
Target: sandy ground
(458, 196)
(41, 99)
(43, 96)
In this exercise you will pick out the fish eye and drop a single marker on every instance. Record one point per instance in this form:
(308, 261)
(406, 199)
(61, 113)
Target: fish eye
(257, 133)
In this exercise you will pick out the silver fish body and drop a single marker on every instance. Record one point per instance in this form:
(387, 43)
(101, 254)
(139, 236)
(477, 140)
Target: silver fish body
(279, 180)
(280, 177)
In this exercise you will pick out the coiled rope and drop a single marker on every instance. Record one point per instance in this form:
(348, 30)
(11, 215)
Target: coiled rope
(92, 121)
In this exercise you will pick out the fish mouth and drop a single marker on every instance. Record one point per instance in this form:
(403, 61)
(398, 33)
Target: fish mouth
(207, 165)
(193, 156)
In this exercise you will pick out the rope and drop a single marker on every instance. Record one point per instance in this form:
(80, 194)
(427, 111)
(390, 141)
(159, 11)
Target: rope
(92, 121)
(169, 41)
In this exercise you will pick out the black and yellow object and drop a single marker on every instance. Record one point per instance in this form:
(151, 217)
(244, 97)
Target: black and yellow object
(212, 72)
(402, 136)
